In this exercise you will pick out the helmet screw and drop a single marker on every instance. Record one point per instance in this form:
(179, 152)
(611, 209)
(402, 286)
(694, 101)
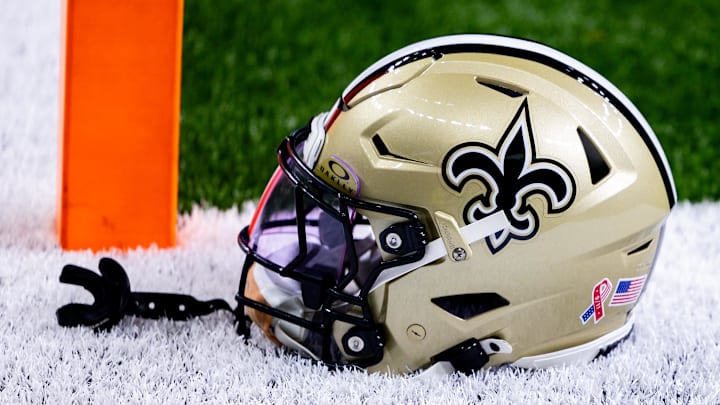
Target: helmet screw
(416, 332)
(393, 240)
(459, 254)
(356, 344)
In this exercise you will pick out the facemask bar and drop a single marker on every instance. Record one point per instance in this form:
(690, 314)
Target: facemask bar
(327, 299)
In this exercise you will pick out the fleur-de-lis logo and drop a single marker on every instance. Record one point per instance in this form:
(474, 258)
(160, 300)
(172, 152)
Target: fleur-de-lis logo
(511, 173)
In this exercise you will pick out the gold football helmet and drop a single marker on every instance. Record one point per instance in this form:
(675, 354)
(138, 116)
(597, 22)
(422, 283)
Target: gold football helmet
(468, 201)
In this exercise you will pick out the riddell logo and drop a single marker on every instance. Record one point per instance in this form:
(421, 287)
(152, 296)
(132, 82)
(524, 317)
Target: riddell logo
(339, 175)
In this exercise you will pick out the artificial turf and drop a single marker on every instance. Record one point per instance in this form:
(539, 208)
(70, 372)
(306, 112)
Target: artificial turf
(255, 70)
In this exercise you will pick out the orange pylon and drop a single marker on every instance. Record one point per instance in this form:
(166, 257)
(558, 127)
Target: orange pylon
(120, 107)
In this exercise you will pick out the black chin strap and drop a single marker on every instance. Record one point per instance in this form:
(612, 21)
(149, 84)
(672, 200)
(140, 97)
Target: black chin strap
(114, 299)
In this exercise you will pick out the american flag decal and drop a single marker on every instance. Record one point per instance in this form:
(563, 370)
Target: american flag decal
(628, 291)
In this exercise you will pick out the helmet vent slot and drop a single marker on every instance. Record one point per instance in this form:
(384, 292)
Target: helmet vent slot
(640, 248)
(510, 92)
(383, 150)
(466, 306)
(599, 169)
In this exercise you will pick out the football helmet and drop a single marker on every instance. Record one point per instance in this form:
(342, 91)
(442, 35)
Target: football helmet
(468, 201)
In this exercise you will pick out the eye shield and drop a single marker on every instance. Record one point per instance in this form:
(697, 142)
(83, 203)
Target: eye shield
(315, 240)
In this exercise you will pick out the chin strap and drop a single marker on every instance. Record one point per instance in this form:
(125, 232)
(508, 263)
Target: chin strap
(114, 299)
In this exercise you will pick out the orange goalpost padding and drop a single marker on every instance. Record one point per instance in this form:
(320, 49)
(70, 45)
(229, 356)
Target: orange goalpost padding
(119, 130)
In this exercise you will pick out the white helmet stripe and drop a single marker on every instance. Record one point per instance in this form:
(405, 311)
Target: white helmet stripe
(436, 249)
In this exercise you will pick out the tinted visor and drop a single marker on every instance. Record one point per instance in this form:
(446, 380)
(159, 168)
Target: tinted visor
(307, 232)
(313, 237)
(315, 242)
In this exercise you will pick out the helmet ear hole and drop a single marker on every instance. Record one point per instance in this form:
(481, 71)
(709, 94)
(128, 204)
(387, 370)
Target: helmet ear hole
(466, 306)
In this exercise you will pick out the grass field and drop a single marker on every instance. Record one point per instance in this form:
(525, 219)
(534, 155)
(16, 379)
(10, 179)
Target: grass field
(255, 70)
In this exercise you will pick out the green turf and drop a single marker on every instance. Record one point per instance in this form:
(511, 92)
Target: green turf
(255, 70)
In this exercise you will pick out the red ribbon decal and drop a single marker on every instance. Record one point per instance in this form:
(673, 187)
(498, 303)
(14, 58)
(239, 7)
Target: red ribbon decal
(600, 294)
